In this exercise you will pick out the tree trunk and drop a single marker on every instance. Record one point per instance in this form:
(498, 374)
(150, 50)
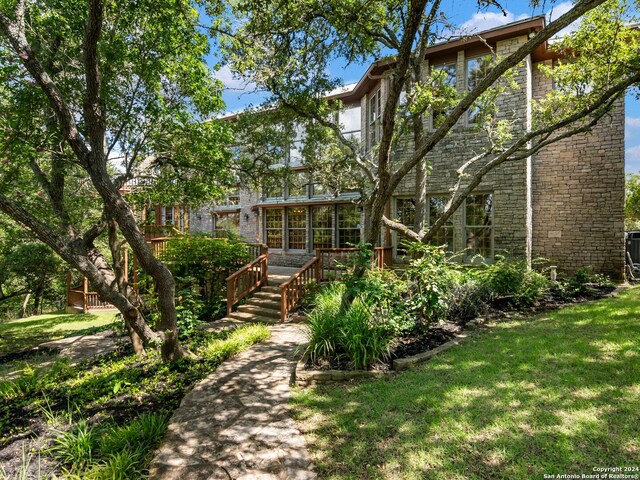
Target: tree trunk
(37, 299)
(25, 303)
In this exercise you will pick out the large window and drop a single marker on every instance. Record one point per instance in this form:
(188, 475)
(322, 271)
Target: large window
(348, 226)
(350, 120)
(406, 215)
(477, 69)
(297, 185)
(444, 236)
(375, 119)
(322, 226)
(226, 222)
(445, 77)
(479, 224)
(273, 222)
(295, 150)
(297, 228)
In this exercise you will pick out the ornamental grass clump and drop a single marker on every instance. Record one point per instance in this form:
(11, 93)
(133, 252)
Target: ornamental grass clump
(353, 333)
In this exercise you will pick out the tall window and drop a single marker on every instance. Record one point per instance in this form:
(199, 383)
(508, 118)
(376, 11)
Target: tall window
(375, 119)
(477, 69)
(479, 224)
(167, 216)
(295, 150)
(406, 215)
(445, 77)
(350, 121)
(227, 222)
(297, 228)
(273, 187)
(348, 225)
(273, 220)
(444, 236)
(322, 226)
(297, 184)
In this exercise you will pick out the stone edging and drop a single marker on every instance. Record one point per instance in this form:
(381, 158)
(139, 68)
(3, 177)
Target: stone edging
(304, 378)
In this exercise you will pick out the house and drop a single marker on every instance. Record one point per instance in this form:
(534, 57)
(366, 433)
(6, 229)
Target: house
(564, 204)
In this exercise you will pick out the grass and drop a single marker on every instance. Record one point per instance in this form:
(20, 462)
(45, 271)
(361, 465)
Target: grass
(89, 411)
(25, 333)
(557, 393)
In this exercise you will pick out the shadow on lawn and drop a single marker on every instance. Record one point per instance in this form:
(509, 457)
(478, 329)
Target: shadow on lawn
(27, 333)
(555, 394)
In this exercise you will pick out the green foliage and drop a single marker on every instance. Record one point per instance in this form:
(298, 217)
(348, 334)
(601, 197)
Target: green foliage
(75, 447)
(430, 276)
(583, 283)
(514, 281)
(356, 333)
(200, 265)
(108, 414)
(632, 202)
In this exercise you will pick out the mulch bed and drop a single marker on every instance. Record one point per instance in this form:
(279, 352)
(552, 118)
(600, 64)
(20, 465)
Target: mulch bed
(413, 343)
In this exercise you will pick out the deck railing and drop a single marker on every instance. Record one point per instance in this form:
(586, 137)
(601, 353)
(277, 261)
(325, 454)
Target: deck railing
(246, 280)
(334, 262)
(80, 296)
(293, 290)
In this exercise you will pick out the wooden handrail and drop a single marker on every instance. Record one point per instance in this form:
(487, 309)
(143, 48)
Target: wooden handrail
(293, 290)
(381, 256)
(249, 278)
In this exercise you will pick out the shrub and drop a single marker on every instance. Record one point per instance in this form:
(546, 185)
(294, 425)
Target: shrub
(467, 300)
(354, 333)
(513, 281)
(74, 447)
(364, 339)
(431, 277)
(583, 283)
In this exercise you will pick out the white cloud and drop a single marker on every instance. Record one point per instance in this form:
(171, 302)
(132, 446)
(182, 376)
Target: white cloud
(232, 81)
(632, 159)
(632, 122)
(481, 21)
(556, 11)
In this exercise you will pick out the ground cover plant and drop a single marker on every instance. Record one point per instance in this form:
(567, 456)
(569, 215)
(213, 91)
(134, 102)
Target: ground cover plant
(25, 333)
(555, 393)
(104, 417)
(361, 322)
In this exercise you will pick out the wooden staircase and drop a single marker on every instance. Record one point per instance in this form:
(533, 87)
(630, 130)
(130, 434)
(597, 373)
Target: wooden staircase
(264, 305)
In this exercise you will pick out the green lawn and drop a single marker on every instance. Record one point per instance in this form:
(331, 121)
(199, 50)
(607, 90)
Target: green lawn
(21, 334)
(558, 393)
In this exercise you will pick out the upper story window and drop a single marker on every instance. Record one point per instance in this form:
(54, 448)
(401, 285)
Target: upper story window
(167, 216)
(446, 76)
(350, 122)
(297, 185)
(375, 119)
(477, 69)
(295, 149)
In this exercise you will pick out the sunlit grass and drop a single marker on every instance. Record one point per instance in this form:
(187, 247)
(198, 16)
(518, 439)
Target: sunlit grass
(24, 333)
(558, 393)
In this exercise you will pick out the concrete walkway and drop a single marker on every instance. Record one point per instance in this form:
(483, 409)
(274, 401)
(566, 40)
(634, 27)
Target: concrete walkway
(236, 423)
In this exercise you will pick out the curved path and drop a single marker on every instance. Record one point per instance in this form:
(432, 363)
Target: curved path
(236, 423)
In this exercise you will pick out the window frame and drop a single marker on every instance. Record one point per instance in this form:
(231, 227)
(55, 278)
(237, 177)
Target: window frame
(267, 228)
(467, 226)
(374, 119)
(449, 225)
(293, 230)
(442, 66)
(473, 107)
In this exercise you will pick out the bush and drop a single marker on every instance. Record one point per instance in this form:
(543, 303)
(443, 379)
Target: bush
(513, 281)
(583, 283)
(431, 277)
(467, 300)
(355, 333)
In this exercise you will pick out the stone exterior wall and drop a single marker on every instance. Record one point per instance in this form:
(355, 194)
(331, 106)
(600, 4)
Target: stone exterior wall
(578, 196)
(200, 220)
(508, 182)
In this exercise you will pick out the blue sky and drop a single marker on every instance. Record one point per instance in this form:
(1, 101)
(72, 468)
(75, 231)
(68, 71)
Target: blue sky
(239, 94)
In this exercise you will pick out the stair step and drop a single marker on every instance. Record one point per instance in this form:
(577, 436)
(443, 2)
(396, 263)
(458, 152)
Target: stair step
(250, 317)
(270, 289)
(259, 311)
(264, 303)
(274, 297)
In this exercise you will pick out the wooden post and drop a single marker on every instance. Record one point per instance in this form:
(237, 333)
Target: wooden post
(68, 288)
(126, 264)
(85, 290)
